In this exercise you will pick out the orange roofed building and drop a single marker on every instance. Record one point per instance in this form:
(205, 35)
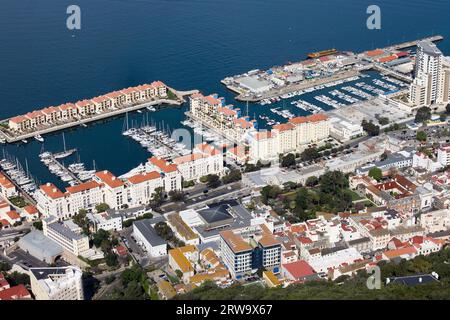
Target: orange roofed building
(287, 137)
(69, 111)
(171, 176)
(204, 160)
(212, 112)
(7, 188)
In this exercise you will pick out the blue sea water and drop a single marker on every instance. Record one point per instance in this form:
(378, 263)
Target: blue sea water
(186, 43)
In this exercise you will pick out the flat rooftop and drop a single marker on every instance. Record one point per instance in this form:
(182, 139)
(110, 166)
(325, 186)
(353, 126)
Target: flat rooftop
(149, 233)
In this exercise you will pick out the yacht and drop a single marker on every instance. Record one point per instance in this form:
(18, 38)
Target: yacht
(39, 138)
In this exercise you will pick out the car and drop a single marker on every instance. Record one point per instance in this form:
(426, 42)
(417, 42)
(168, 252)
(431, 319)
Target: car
(205, 191)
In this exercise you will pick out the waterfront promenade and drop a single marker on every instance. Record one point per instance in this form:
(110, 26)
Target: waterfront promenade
(10, 138)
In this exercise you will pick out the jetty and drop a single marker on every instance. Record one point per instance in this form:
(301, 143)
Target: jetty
(413, 43)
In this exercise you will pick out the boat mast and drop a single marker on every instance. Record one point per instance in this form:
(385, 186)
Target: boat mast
(26, 166)
(64, 141)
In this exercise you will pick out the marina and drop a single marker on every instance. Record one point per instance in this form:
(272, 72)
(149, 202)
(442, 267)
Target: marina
(19, 176)
(150, 137)
(324, 68)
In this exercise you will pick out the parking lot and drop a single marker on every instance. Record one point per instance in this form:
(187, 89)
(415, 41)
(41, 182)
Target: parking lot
(370, 110)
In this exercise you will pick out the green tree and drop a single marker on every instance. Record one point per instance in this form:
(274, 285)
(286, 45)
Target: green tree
(4, 266)
(163, 230)
(158, 196)
(232, 176)
(383, 121)
(309, 154)
(111, 260)
(288, 160)
(176, 196)
(370, 128)
(421, 136)
(376, 173)
(15, 278)
(37, 225)
(312, 181)
(100, 237)
(179, 273)
(82, 220)
(102, 207)
(423, 114)
(213, 180)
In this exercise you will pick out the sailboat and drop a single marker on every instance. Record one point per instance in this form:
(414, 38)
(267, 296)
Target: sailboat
(64, 153)
(127, 131)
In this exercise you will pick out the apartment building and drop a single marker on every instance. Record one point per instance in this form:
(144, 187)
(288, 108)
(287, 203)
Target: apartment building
(431, 82)
(113, 100)
(61, 283)
(51, 201)
(443, 155)
(84, 196)
(236, 254)
(171, 177)
(244, 254)
(288, 137)
(204, 160)
(213, 112)
(7, 188)
(141, 187)
(435, 221)
(114, 190)
(182, 259)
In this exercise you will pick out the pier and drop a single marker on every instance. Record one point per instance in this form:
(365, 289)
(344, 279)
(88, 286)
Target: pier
(409, 44)
(296, 87)
(389, 72)
(66, 170)
(22, 192)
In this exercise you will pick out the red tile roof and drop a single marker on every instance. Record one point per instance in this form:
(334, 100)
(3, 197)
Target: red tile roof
(208, 149)
(5, 182)
(139, 178)
(83, 186)
(4, 222)
(374, 53)
(13, 215)
(261, 135)
(51, 191)
(227, 111)
(30, 209)
(189, 158)
(15, 293)
(299, 269)
(163, 164)
(109, 179)
(283, 127)
(312, 118)
(18, 119)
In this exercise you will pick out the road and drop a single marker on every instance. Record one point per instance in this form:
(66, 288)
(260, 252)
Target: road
(197, 194)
